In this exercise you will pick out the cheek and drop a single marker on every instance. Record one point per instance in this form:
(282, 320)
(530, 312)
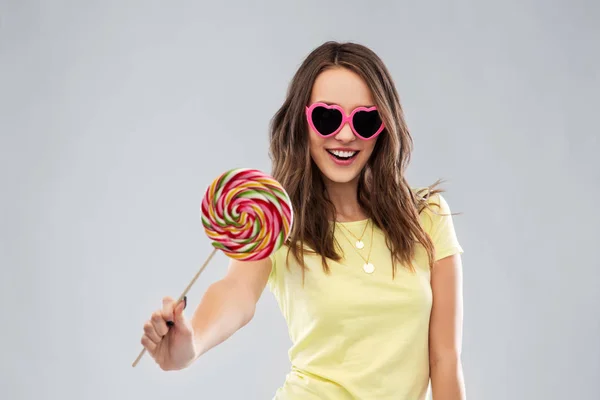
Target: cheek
(314, 141)
(369, 146)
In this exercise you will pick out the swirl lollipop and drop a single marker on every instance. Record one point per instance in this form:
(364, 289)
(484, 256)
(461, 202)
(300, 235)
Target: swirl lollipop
(247, 214)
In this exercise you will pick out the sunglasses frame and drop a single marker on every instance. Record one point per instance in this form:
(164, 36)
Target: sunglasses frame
(346, 119)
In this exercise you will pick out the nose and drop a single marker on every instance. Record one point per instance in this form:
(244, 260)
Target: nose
(345, 134)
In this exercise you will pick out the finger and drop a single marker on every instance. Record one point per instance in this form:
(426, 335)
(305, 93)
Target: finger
(160, 325)
(178, 311)
(170, 308)
(167, 310)
(151, 332)
(167, 301)
(149, 344)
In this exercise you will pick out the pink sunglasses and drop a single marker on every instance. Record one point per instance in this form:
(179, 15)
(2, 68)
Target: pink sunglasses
(327, 120)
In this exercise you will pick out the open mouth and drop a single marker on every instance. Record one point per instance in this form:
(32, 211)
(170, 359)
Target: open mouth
(343, 155)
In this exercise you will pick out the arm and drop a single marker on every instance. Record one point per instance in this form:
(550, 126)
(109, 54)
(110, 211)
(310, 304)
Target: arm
(445, 331)
(229, 303)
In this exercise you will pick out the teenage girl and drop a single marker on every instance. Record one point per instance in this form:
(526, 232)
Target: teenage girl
(370, 280)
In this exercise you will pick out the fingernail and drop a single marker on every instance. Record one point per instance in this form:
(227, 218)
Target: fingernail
(184, 302)
(170, 323)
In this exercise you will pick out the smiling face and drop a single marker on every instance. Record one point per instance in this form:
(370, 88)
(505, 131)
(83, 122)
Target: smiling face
(341, 157)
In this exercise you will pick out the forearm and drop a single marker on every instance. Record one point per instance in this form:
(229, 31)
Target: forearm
(223, 310)
(447, 381)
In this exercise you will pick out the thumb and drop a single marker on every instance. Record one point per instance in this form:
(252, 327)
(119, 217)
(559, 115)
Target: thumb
(178, 310)
(167, 309)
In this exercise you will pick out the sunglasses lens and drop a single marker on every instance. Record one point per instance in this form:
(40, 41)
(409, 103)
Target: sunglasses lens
(326, 120)
(367, 123)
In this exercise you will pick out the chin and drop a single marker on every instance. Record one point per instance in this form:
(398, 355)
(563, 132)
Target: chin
(336, 173)
(340, 176)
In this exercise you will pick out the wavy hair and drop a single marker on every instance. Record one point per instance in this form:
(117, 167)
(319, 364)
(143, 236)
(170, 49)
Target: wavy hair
(383, 192)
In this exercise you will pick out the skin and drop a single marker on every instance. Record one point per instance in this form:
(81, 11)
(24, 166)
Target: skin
(346, 89)
(445, 330)
(230, 303)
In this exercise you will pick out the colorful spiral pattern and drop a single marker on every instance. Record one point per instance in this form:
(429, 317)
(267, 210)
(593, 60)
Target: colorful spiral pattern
(247, 214)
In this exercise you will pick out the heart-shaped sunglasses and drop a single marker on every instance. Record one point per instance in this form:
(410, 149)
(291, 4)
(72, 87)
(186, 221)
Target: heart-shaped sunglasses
(328, 119)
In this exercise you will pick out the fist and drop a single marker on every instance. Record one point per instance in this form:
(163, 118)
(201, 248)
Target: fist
(169, 337)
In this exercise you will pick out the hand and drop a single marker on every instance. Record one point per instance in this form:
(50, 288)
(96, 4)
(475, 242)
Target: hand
(169, 336)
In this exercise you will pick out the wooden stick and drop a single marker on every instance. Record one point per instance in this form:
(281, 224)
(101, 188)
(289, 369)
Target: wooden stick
(187, 289)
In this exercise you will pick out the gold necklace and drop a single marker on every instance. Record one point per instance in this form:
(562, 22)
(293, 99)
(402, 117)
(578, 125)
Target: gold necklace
(359, 243)
(368, 267)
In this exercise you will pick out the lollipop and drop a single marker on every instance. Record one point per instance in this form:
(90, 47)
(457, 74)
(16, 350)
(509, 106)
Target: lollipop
(247, 215)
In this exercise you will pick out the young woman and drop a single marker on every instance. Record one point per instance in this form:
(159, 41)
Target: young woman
(370, 279)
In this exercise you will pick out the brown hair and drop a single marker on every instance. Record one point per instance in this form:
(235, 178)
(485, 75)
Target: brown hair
(383, 192)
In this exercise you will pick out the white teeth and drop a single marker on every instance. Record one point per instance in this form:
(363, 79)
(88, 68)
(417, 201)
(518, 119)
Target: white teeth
(343, 154)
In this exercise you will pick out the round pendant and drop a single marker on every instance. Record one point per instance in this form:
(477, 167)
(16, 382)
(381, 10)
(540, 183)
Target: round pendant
(359, 244)
(369, 268)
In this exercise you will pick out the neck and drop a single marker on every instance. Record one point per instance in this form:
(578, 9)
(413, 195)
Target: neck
(344, 197)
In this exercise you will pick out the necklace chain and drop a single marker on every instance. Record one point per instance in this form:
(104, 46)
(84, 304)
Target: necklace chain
(359, 242)
(368, 267)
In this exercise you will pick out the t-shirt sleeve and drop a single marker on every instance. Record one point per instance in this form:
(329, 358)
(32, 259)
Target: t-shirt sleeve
(274, 257)
(440, 226)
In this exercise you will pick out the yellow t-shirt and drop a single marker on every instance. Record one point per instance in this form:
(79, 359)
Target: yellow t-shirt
(357, 335)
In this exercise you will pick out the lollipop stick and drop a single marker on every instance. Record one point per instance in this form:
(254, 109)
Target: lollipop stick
(189, 286)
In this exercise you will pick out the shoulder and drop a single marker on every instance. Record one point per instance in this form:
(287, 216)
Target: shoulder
(278, 254)
(431, 205)
(437, 221)
(279, 259)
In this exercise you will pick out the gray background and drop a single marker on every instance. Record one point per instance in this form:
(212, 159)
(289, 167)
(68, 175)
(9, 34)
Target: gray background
(115, 115)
